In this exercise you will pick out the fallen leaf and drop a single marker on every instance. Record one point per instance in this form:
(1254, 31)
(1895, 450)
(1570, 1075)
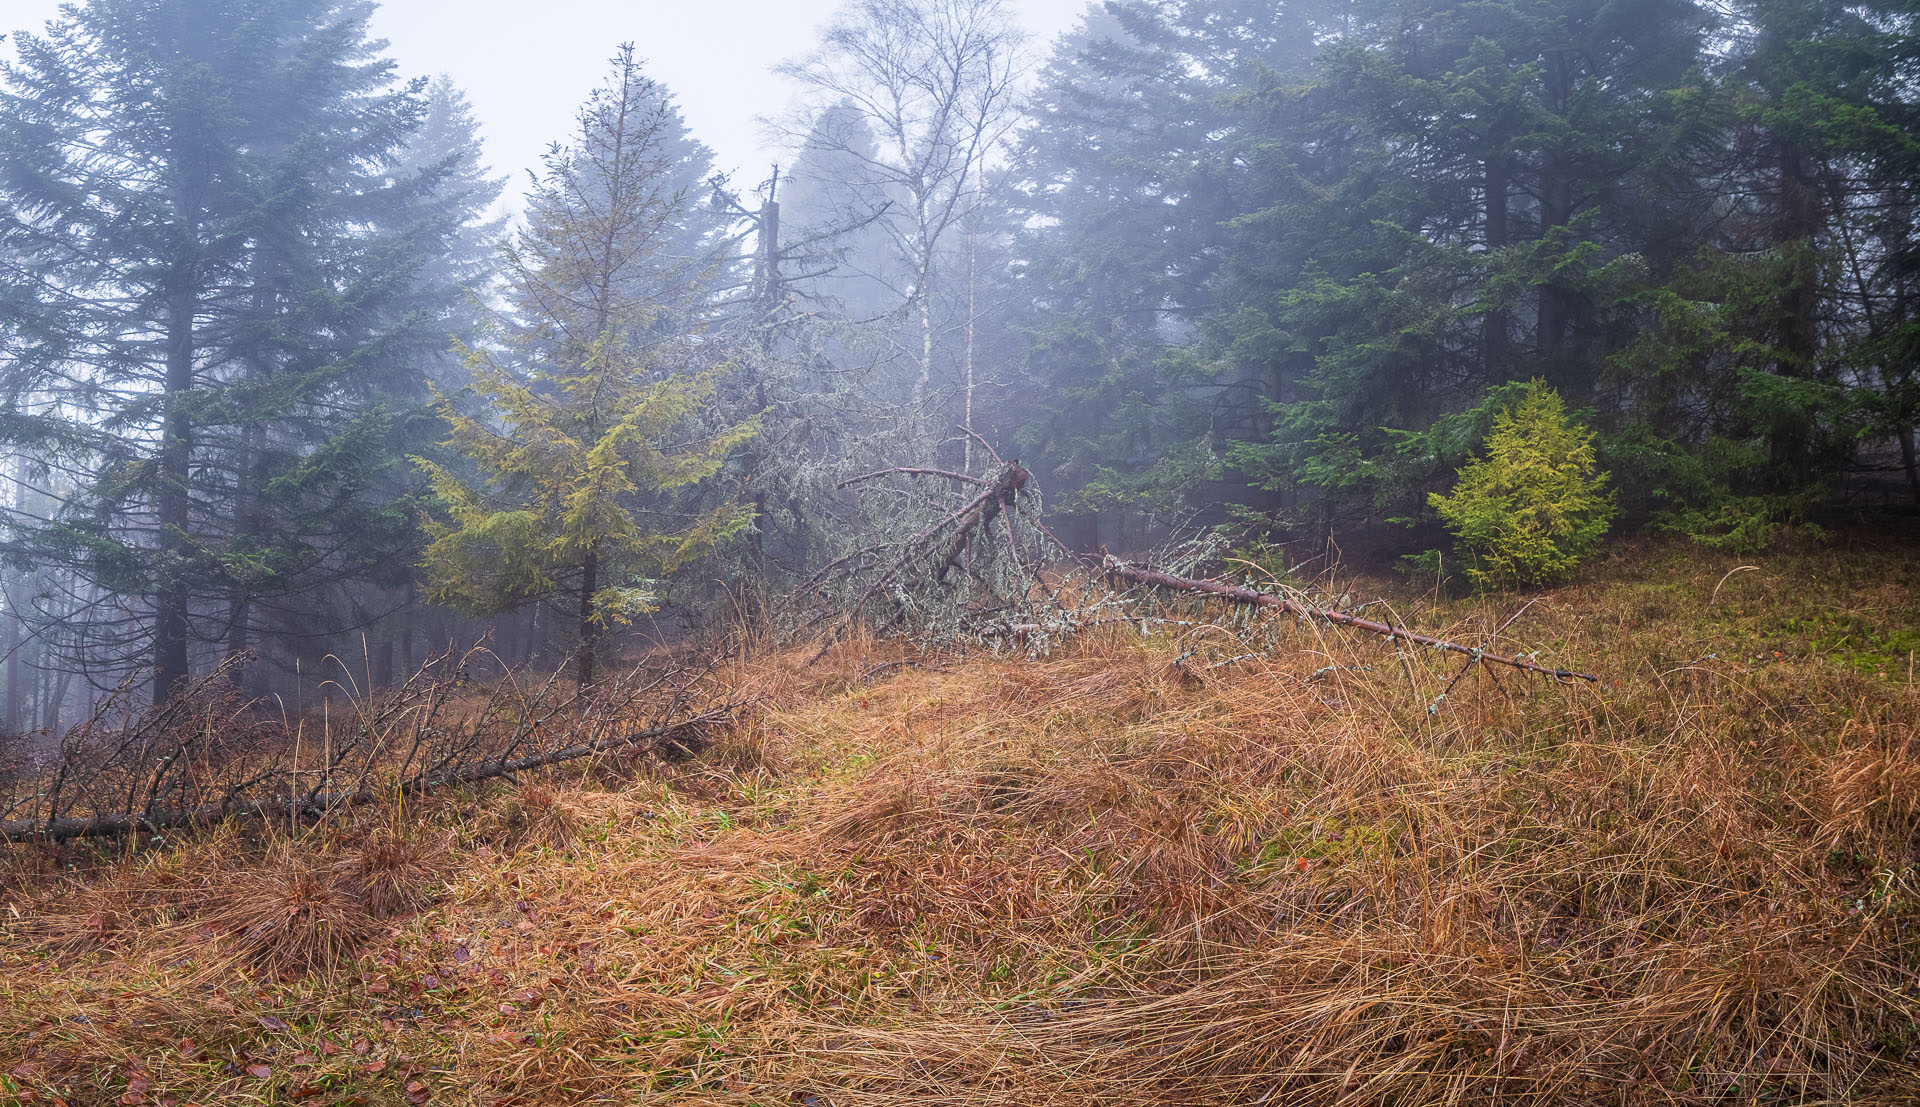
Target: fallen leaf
(362, 1047)
(272, 1022)
(259, 1071)
(304, 1058)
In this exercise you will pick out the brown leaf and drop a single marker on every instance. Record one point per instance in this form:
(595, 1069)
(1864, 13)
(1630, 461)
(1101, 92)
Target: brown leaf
(417, 1092)
(260, 1072)
(304, 1058)
(362, 1047)
(273, 1022)
(374, 1066)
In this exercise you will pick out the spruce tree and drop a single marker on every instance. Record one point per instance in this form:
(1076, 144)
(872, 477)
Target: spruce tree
(226, 265)
(594, 398)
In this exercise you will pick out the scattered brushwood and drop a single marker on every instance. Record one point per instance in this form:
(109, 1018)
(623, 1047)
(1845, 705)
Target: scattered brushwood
(209, 754)
(974, 563)
(1000, 547)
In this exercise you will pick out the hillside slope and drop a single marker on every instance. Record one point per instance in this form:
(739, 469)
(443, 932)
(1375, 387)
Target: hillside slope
(1149, 869)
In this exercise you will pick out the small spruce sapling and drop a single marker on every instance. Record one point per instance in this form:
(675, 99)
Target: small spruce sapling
(1534, 507)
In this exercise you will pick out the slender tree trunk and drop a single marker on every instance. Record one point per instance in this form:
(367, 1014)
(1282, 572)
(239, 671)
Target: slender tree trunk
(1791, 440)
(246, 523)
(56, 700)
(170, 662)
(15, 708)
(13, 662)
(406, 630)
(1911, 462)
(770, 293)
(923, 281)
(1495, 325)
(1556, 212)
(967, 443)
(589, 626)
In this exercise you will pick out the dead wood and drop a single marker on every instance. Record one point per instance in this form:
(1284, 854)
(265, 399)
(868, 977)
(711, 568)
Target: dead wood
(208, 754)
(1035, 609)
(1140, 575)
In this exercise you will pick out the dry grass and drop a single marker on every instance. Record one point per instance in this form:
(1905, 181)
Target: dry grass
(1129, 874)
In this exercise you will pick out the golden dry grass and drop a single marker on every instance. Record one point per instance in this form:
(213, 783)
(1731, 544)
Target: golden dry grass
(1126, 874)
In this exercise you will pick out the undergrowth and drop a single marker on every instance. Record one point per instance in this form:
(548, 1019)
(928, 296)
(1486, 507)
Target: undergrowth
(1166, 869)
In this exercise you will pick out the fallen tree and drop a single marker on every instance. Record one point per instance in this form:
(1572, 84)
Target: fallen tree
(207, 756)
(1142, 575)
(1019, 601)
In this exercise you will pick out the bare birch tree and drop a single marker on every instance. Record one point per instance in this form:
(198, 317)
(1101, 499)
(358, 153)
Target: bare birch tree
(933, 82)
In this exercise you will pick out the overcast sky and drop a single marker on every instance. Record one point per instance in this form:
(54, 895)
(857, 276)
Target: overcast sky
(527, 64)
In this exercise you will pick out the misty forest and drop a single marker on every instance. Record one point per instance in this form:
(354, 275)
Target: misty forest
(1253, 552)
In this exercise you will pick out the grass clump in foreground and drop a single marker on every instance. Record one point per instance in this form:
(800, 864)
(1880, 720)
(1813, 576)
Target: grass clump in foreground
(1127, 874)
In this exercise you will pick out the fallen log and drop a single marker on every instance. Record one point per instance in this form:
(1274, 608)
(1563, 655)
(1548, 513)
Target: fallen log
(1138, 575)
(318, 805)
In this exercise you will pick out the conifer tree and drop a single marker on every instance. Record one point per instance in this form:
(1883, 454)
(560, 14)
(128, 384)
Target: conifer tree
(596, 398)
(227, 282)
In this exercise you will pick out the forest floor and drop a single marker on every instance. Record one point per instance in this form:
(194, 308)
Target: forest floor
(1136, 872)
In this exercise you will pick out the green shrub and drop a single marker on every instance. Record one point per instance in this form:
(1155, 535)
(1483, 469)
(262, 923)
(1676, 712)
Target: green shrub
(1533, 507)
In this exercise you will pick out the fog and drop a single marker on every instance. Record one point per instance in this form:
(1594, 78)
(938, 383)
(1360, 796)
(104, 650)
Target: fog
(309, 372)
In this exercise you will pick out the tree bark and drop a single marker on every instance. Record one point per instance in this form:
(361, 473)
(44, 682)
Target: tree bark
(173, 499)
(1910, 460)
(589, 624)
(1497, 323)
(1556, 212)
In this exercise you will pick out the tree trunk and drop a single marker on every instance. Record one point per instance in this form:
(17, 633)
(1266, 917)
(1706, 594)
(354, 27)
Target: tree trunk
(1911, 462)
(56, 700)
(589, 626)
(13, 663)
(245, 524)
(1556, 212)
(967, 443)
(1495, 324)
(173, 501)
(1791, 441)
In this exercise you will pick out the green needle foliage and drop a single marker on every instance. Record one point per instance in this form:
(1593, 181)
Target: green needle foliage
(601, 400)
(1534, 507)
(552, 512)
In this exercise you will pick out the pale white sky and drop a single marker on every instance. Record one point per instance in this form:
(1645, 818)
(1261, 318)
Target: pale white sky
(527, 64)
